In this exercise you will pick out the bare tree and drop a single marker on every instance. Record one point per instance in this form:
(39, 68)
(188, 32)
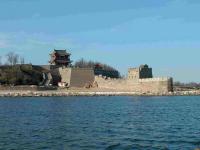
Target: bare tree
(22, 61)
(16, 59)
(12, 58)
(0, 61)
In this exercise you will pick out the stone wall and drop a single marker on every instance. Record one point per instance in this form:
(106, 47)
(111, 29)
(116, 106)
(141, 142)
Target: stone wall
(81, 76)
(134, 74)
(111, 83)
(151, 85)
(77, 77)
(65, 74)
(156, 85)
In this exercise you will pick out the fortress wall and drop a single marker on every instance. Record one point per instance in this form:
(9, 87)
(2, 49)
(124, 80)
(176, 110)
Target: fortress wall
(133, 74)
(110, 83)
(81, 76)
(74, 77)
(117, 84)
(152, 85)
(156, 85)
(65, 74)
(154, 79)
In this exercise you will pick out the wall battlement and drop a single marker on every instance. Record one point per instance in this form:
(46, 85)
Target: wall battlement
(106, 78)
(82, 69)
(155, 79)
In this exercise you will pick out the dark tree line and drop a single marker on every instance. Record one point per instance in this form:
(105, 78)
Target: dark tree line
(99, 68)
(187, 85)
(92, 64)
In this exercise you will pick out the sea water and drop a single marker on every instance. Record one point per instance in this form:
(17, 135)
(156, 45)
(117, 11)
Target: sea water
(97, 123)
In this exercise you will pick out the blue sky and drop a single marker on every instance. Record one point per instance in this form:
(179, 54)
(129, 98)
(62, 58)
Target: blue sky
(162, 33)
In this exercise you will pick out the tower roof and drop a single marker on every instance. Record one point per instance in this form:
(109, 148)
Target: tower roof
(61, 52)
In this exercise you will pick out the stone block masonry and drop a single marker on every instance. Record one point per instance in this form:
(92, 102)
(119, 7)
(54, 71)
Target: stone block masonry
(148, 85)
(77, 77)
(81, 77)
(156, 85)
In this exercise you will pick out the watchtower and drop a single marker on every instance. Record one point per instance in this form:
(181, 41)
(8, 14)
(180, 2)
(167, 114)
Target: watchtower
(140, 73)
(60, 58)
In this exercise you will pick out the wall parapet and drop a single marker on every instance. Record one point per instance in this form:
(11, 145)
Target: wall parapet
(76, 68)
(100, 77)
(155, 79)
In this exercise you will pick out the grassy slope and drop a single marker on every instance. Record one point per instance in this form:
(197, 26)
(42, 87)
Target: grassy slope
(21, 75)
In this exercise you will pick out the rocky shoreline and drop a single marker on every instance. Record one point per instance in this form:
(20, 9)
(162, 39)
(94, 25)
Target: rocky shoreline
(58, 93)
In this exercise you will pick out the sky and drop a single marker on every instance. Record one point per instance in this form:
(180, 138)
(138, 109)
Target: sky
(165, 34)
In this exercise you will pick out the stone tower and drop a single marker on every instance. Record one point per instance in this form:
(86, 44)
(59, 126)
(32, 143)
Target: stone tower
(140, 73)
(60, 58)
